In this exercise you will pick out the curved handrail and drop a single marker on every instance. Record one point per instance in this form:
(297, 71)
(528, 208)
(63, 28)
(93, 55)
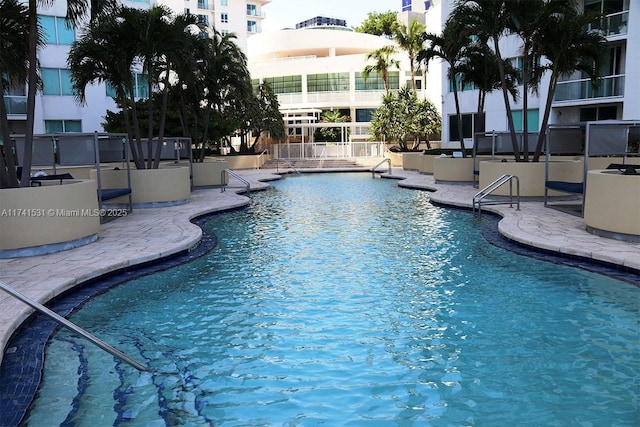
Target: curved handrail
(72, 326)
(238, 177)
(373, 169)
(499, 182)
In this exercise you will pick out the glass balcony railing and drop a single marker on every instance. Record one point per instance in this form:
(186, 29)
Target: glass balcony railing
(615, 24)
(205, 4)
(610, 86)
(15, 104)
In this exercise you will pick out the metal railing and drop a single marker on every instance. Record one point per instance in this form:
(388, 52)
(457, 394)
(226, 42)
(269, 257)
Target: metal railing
(286, 162)
(610, 86)
(72, 326)
(486, 191)
(229, 172)
(385, 160)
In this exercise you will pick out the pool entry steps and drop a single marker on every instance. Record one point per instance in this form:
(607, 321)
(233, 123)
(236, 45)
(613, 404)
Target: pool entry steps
(72, 326)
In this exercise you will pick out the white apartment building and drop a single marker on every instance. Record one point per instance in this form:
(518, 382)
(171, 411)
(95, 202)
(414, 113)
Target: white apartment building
(575, 99)
(316, 69)
(56, 109)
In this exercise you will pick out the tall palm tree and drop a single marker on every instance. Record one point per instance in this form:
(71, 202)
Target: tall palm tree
(383, 62)
(410, 39)
(568, 46)
(106, 52)
(76, 11)
(526, 17)
(178, 34)
(14, 66)
(479, 67)
(450, 46)
(489, 20)
(227, 83)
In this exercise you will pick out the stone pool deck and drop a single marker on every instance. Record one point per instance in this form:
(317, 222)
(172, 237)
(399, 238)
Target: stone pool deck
(151, 234)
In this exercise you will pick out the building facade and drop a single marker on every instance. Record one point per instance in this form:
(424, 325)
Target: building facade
(318, 69)
(56, 109)
(575, 98)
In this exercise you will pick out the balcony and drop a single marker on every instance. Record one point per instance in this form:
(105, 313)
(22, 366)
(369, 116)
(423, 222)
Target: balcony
(15, 104)
(615, 24)
(573, 90)
(206, 5)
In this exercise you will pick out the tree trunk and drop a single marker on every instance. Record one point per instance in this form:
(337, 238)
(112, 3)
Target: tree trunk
(27, 157)
(525, 104)
(459, 118)
(163, 120)
(505, 95)
(545, 118)
(8, 177)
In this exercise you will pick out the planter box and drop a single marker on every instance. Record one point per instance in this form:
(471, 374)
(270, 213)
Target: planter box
(252, 161)
(453, 169)
(411, 160)
(149, 187)
(531, 175)
(209, 173)
(64, 215)
(612, 204)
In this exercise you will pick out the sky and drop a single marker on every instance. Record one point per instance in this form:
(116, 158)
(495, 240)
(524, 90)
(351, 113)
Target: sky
(287, 13)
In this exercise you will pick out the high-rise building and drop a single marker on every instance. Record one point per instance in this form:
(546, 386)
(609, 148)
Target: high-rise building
(575, 100)
(56, 109)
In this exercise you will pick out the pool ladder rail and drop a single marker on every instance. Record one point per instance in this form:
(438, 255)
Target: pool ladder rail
(229, 172)
(374, 169)
(72, 326)
(479, 197)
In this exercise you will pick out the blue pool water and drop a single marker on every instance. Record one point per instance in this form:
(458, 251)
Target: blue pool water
(337, 299)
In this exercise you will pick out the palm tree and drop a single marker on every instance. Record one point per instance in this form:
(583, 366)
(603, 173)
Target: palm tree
(176, 36)
(227, 84)
(14, 66)
(526, 17)
(383, 62)
(410, 39)
(106, 53)
(76, 11)
(568, 46)
(450, 47)
(479, 67)
(488, 20)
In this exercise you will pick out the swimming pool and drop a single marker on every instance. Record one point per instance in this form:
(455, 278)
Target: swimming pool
(337, 299)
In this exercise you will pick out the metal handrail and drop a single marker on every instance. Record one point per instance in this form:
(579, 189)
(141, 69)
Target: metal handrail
(265, 151)
(238, 177)
(72, 326)
(373, 169)
(288, 163)
(486, 191)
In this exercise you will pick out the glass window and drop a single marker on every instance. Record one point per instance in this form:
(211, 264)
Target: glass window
(285, 84)
(57, 126)
(252, 10)
(374, 81)
(224, 2)
(328, 82)
(139, 86)
(532, 117)
(364, 114)
(224, 18)
(252, 26)
(56, 82)
(56, 30)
